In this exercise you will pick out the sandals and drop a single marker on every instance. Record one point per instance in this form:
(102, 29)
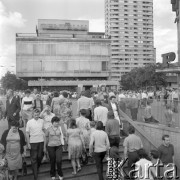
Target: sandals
(79, 169)
(73, 173)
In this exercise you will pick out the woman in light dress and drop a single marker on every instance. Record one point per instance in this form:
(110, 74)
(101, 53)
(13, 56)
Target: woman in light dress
(84, 125)
(75, 145)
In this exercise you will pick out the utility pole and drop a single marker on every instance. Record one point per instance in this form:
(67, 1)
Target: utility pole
(41, 76)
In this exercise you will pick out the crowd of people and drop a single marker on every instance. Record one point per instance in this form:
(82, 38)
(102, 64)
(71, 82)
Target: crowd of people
(51, 129)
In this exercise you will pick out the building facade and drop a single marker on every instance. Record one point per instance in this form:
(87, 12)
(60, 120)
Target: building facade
(129, 25)
(63, 50)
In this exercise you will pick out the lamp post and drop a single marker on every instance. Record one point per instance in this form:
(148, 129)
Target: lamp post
(41, 76)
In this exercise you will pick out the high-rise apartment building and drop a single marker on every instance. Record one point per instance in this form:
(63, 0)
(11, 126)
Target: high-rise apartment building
(129, 24)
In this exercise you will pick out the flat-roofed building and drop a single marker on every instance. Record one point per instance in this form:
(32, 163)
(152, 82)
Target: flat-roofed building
(63, 50)
(129, 24)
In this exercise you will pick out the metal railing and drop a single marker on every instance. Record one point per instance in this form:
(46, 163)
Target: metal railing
(166, 111)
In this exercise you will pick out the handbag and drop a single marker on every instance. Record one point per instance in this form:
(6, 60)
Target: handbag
(84, 158)
(24, 167)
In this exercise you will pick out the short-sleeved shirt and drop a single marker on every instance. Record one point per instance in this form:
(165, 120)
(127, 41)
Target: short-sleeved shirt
(55, 136)
(133, 143)
(28, 102)
(100, 141)
(166, 153)
(100, 114)
(144, 173)
(35, 129)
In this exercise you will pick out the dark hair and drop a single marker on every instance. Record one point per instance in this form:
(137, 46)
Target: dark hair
(154, 154)
(131, 130)
(65, 94)
(98, 102)
(165, 136)
(112, 97)
(36, 111)
(72, 123)
(55, 119)
(83, 112)
(83, 93)
(27, 91)
(142, 153)
(99, 125)
(15, 123)
(56, 94)
(110, 115)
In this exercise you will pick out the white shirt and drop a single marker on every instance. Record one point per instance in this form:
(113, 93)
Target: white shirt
(144, 95)
(100, 114)
(175, 95)
(142, 165)
(121, 96)
(99, 140)
(35, 129)
(116, 115)
(27, 102)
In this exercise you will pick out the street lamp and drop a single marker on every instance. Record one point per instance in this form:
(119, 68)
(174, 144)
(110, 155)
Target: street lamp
(41, 76)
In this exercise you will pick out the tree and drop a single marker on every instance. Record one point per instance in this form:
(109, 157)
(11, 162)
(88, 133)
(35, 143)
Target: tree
(142, 77)
(10, 81)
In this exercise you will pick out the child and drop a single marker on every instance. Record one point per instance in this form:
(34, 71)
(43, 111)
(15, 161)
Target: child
(169, 116)
(3, 165)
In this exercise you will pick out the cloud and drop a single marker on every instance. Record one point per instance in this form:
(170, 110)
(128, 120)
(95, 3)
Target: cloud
(165, 30)
(10, 22)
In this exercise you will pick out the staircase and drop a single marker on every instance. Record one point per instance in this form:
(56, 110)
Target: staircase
(88, 172)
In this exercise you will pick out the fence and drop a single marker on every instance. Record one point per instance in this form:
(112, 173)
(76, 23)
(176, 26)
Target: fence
(162, 110)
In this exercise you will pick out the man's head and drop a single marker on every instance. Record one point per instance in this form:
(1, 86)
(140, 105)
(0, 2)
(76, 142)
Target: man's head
(36, 114)
(27, 92)
(110, 115)
(9, 93)
(98, 102)
(38, 97)
(131, 130)
(154, 154)
(112, 99)
(35, 91)
(103, 88)
(166, 140)
(83, 112)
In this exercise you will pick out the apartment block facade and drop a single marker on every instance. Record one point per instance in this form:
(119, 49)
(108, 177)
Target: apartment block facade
(129, 25)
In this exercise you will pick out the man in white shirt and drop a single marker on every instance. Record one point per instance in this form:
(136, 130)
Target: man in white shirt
(100, 113)
(35, 141)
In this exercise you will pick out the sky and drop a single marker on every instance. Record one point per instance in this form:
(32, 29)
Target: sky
(21, 16)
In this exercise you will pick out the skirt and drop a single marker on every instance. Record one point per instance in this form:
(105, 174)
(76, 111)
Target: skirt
(75, 148)
(13, 155)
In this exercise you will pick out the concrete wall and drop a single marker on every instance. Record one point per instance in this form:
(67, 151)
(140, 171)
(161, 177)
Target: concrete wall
(66, 56)
(156, 132)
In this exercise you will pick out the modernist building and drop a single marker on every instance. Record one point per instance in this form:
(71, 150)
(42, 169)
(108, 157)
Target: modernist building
(63, 53)
(129, 25)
